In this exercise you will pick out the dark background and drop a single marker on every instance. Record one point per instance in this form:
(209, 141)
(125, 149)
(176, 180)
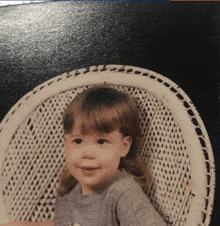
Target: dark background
(179, 40)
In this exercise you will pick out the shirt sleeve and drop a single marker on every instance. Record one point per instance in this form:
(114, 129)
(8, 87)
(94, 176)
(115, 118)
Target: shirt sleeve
(62, 212)
(134, 208)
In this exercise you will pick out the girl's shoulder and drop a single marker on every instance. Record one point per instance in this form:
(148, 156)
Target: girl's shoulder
(122, 183)
(69, 195)
(133, 205)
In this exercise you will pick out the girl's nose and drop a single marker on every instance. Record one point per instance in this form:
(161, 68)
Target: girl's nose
(89, 152)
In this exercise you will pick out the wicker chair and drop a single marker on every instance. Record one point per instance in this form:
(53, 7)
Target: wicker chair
(176, 146)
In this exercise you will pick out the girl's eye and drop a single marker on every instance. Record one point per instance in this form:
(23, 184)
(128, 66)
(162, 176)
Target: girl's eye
(78, 141)
(102, 141)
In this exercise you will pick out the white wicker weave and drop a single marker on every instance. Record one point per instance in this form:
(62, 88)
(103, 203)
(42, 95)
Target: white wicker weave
(176, 146)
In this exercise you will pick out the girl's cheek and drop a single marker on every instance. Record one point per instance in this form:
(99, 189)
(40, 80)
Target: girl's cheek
(73, 155)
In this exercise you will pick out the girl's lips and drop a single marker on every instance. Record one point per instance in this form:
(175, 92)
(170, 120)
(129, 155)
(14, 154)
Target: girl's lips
(89, 168)
(86, 166)
(89, 171)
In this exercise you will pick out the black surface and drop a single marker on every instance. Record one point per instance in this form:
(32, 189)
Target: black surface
(177, 39)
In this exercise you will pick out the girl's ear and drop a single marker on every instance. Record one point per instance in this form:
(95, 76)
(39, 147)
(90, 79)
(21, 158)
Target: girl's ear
(126, 145)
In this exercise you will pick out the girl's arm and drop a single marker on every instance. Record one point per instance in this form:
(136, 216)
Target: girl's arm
(29, 223)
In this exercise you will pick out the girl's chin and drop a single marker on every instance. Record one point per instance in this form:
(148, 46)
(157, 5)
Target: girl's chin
(93, 179)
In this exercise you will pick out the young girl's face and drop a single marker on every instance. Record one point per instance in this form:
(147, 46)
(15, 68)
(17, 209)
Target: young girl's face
(93, 157)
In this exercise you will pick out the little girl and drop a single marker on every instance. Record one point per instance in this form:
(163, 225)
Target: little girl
(102, 184)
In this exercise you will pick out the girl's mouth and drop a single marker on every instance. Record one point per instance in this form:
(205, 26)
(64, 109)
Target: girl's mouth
(89, 171)
(89, 168)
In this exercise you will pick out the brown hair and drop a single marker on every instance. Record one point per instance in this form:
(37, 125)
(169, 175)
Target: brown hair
(106, 109)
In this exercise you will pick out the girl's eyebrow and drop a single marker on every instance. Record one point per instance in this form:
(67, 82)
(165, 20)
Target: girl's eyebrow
(105, 135)
(73, 135)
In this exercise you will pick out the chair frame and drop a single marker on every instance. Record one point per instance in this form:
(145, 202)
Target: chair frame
(196, 137)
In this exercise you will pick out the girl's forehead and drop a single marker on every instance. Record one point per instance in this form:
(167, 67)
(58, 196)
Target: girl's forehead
(80, 124)
(82, 128)
(90, 132)
(100, 121)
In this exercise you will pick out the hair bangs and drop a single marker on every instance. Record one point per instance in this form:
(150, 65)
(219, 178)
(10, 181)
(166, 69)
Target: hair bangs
(103, 121)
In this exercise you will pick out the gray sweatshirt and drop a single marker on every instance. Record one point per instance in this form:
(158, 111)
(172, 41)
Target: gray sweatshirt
(120, 202)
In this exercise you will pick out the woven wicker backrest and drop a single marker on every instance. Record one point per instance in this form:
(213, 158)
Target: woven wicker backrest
(176, 145)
